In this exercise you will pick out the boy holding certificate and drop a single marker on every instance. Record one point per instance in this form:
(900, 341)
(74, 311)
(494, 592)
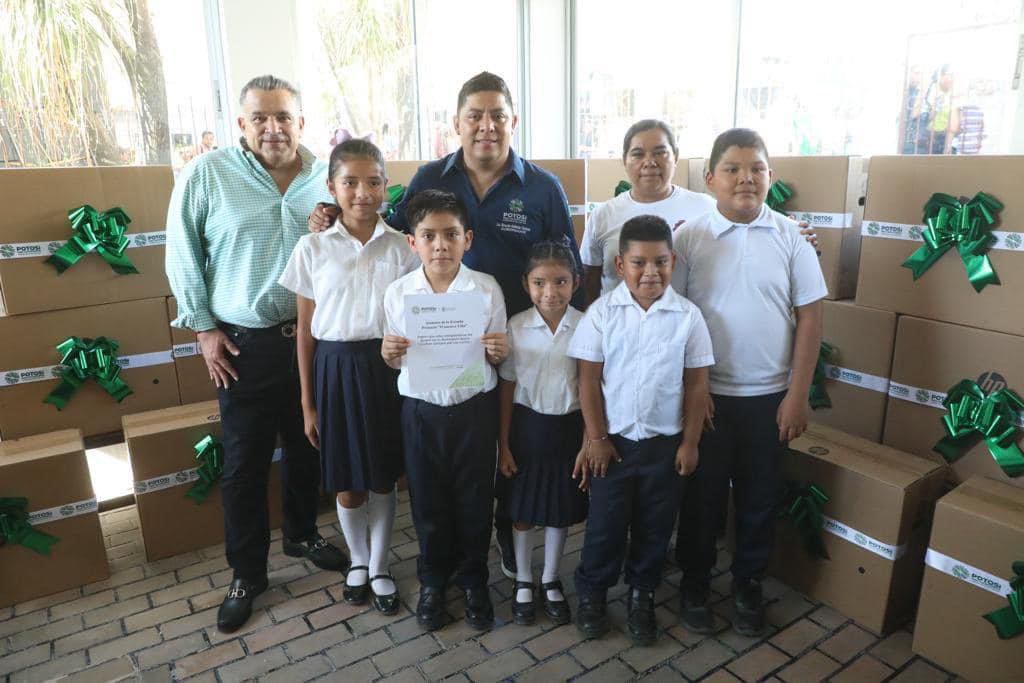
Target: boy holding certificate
(450, 434)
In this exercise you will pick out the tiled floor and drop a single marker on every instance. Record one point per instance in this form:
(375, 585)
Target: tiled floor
(156, 622)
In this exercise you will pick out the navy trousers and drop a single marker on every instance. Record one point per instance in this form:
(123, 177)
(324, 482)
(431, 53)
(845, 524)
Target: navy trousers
(636, 500)
(450, 455)
(744, 447)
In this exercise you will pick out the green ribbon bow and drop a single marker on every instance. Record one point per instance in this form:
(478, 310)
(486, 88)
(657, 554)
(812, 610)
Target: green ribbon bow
(966, 224)
(622, 186)
(803, 505)
(778, 194)
(971, 415)
(85, 359)
(210, 454)
(819, 396)
(15, 527)
(1009, 620)
(103, 232)
(394, 195)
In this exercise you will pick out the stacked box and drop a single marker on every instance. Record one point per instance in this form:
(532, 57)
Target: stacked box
(898, 188)
(572, 173)
(977, 536)
(161, 447)
(29, 369)
(929, 359)
(858, 370)
(35, 222)
(880, 503)
(50, 471)
(194, 383)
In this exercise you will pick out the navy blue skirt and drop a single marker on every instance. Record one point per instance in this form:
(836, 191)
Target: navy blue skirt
(359, 411)
(543, 492)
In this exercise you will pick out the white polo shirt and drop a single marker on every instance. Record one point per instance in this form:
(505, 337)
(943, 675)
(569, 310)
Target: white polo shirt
(600, 243)
(539, 362)
(644, 354)
(747, 279)
(467, 280)
(347, 279)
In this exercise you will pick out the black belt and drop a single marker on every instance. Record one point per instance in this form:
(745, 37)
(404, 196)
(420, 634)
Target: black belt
(285, 329)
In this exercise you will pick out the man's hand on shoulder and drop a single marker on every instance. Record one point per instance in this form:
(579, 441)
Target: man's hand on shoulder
(323, 216)
(216, 346)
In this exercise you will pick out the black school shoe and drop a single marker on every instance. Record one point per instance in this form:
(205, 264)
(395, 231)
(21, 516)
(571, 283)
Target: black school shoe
(694, 612)
(237, 606)
(357, 595)
(557, 610)
(592, 616)
(430, 609)
(319, 552)
(387, 604)
(479, 610)
(524, 613)
(749, 604)
(642, 627)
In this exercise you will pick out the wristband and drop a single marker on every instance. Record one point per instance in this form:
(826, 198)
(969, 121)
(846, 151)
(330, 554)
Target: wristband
(603, 438)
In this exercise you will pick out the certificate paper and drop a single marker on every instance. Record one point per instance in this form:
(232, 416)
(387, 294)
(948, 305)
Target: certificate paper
(446, 351)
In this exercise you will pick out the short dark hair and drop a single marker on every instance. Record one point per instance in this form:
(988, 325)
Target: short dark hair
(745, 138)
(205, 133)
(646, 125)
(354, 148)
(484, 81)
(435, 201)
(543, 252)
(270, 82)
(645, 228)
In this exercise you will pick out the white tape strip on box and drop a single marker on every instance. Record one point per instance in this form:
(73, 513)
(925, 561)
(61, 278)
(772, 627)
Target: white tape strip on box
(82, 507)
(33, 249)
(966, 573)
(822, 219)
(186, 350)
(1007, 241)
(166, 481)
(139, 360)
(859, 538)
(857, 378)
(577, 209)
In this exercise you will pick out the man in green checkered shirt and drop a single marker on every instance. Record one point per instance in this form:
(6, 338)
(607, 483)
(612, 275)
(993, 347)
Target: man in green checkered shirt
(236, 213)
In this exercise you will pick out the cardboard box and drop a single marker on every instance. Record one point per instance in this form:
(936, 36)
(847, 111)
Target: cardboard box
(401, 172)
(35, 220)
(28, 356)
(898, 188)
(161, 449)
(194, 383)
(877, 520)
(858, 371)
(572, 173)
(931, 357)
(977, 535)
(696, 170)
(604, 174)
(50, 470)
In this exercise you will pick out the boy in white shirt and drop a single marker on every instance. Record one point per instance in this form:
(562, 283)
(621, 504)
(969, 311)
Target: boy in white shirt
(759, 285)
(643, 354)
(450, 435)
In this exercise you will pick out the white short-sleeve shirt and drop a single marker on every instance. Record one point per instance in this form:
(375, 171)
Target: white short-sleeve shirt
(539, 362)
(747, 279)
(600, 242)
(346, 279)
(467, 280)
(644, 354)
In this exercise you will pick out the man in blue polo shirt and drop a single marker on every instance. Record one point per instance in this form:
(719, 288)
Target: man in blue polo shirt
(513, 204)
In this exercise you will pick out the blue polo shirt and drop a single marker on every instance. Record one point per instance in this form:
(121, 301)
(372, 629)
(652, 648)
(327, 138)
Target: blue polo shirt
(527, 205)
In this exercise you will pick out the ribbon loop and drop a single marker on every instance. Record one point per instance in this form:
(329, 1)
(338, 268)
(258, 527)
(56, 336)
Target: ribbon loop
(1009, 620)
(622, 186)
(819, 397)
(102, 232)
(15, 527)
(84, 359)
(393, 195)
(778, 194)
(803, 504)
(971, 416)
(210, 454)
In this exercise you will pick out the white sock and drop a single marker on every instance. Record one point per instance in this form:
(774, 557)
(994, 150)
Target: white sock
(554, 546)
(521, 543)
(381, 513)
(353, 526)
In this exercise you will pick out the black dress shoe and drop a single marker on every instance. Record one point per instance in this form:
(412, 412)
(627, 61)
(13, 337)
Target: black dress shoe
(507, 552)
(387, 603)
(357, 595)
(430, 609)
(592, 616)
(319, 552)
(479, 610)
(694, 613)
(557, 610)
(643, 628)
(749, 604)
(237, 606)
(524, 613)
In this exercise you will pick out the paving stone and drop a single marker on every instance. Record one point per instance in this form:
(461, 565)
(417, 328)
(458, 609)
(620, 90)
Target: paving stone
(359, 648)
(181, 591)
(51, 670)
(296, 606)
(404, 630)
(24, 659)
(315, 581)
(192, 571)
(47, 601)
(252, 666)
(556, 640)
(361, 671)
(371, 620)
(194, 622)
(612, 671)
(117, 610)
(124, 645)
(171, 650)
(508, 635)
(590, 653)
(758, 663)
(318, 641)
(208, 659)
(894, 650)
(798, 637)
(847, 643)
(276, 634)
(27, 621)
(45, 633)
(170, 564)
(813, 666)
(90, 602)
(707, 655)
(560, 668)
(412, 675)
(158, 615)
(864, 669)
(146, 586)
(788, 609)
(721, 676)
(455, 633)
(114, 670)
(405, 654)
(501, 667)
(828, 617)
(82, 640)
(209, 599)
(306, 670)
(453, 661)
(920, 671)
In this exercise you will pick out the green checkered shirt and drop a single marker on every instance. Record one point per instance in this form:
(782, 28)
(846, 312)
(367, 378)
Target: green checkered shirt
(230, 232)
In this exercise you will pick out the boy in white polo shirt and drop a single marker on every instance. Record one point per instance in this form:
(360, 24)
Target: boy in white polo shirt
(759, 285)
(450, 435)
(643, 354)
